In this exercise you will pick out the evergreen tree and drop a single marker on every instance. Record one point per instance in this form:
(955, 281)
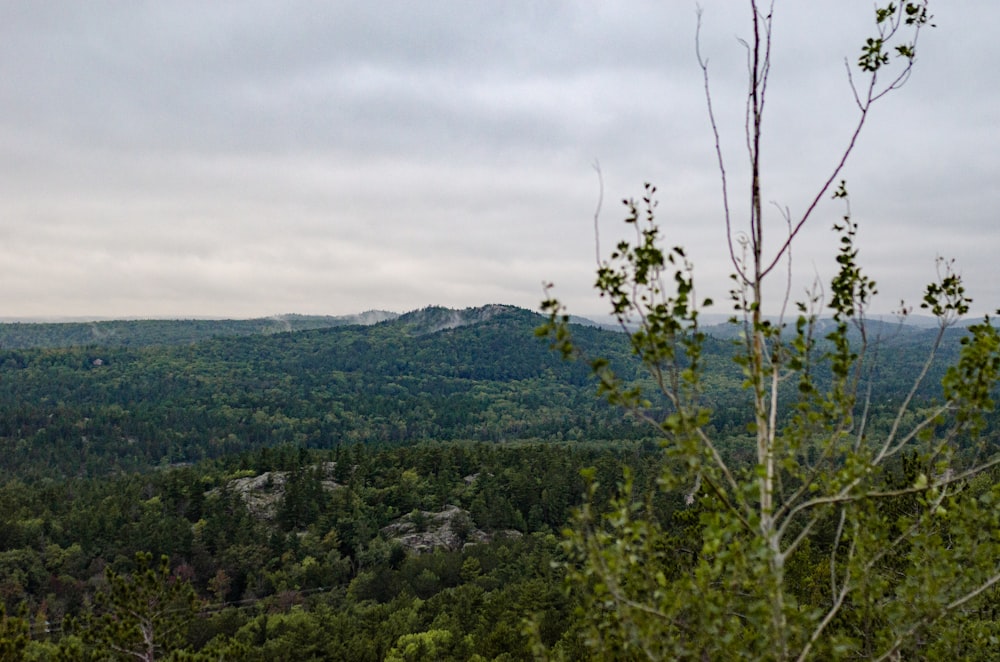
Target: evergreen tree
(143, 616)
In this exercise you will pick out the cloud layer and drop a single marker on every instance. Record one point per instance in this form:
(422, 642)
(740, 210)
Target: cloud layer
(253, 158)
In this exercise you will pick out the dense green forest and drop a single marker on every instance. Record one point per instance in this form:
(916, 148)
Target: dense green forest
(389, 491)
(94, 409)
(314, 572)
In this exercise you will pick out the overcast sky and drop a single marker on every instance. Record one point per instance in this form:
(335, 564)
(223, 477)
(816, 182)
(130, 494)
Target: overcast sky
(243, 159)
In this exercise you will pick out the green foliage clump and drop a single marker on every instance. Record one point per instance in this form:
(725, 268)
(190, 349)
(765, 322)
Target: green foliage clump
(851, 528)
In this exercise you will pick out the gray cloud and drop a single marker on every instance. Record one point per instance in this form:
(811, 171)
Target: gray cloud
(239, 159)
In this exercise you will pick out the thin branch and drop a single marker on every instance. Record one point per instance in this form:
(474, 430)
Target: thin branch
(844, 496)
(973, 594)
(925, 423)
(703, 63)
(834, 608)
(940, 482)
(871, 96)
(792, 546)
(720, 465)
(950, 607)
(819, 195)
(833, 552)
(787, 215)
(904, 407)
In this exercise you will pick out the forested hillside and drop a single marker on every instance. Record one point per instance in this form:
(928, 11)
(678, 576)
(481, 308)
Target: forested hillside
(434, 374)
(94, 409)
(348, 492)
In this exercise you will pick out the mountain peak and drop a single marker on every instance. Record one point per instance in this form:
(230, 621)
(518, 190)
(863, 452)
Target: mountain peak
(438, 318)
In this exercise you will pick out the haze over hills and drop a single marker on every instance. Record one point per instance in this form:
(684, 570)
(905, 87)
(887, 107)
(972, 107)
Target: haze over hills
(15, 334)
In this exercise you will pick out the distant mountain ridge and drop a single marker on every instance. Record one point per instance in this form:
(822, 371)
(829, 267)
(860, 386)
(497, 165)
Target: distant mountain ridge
(424, 321)
(145, 333)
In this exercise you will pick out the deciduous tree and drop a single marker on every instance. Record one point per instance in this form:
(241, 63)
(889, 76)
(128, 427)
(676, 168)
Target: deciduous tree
(827, 544)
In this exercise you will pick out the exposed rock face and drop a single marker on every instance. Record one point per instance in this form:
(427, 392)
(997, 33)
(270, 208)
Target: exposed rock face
(435, 318)
(263, 494)
(451, 529)
(425, 531)
(370, 317)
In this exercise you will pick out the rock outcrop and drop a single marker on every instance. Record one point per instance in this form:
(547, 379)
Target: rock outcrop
(262, 494)
(451, 528)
